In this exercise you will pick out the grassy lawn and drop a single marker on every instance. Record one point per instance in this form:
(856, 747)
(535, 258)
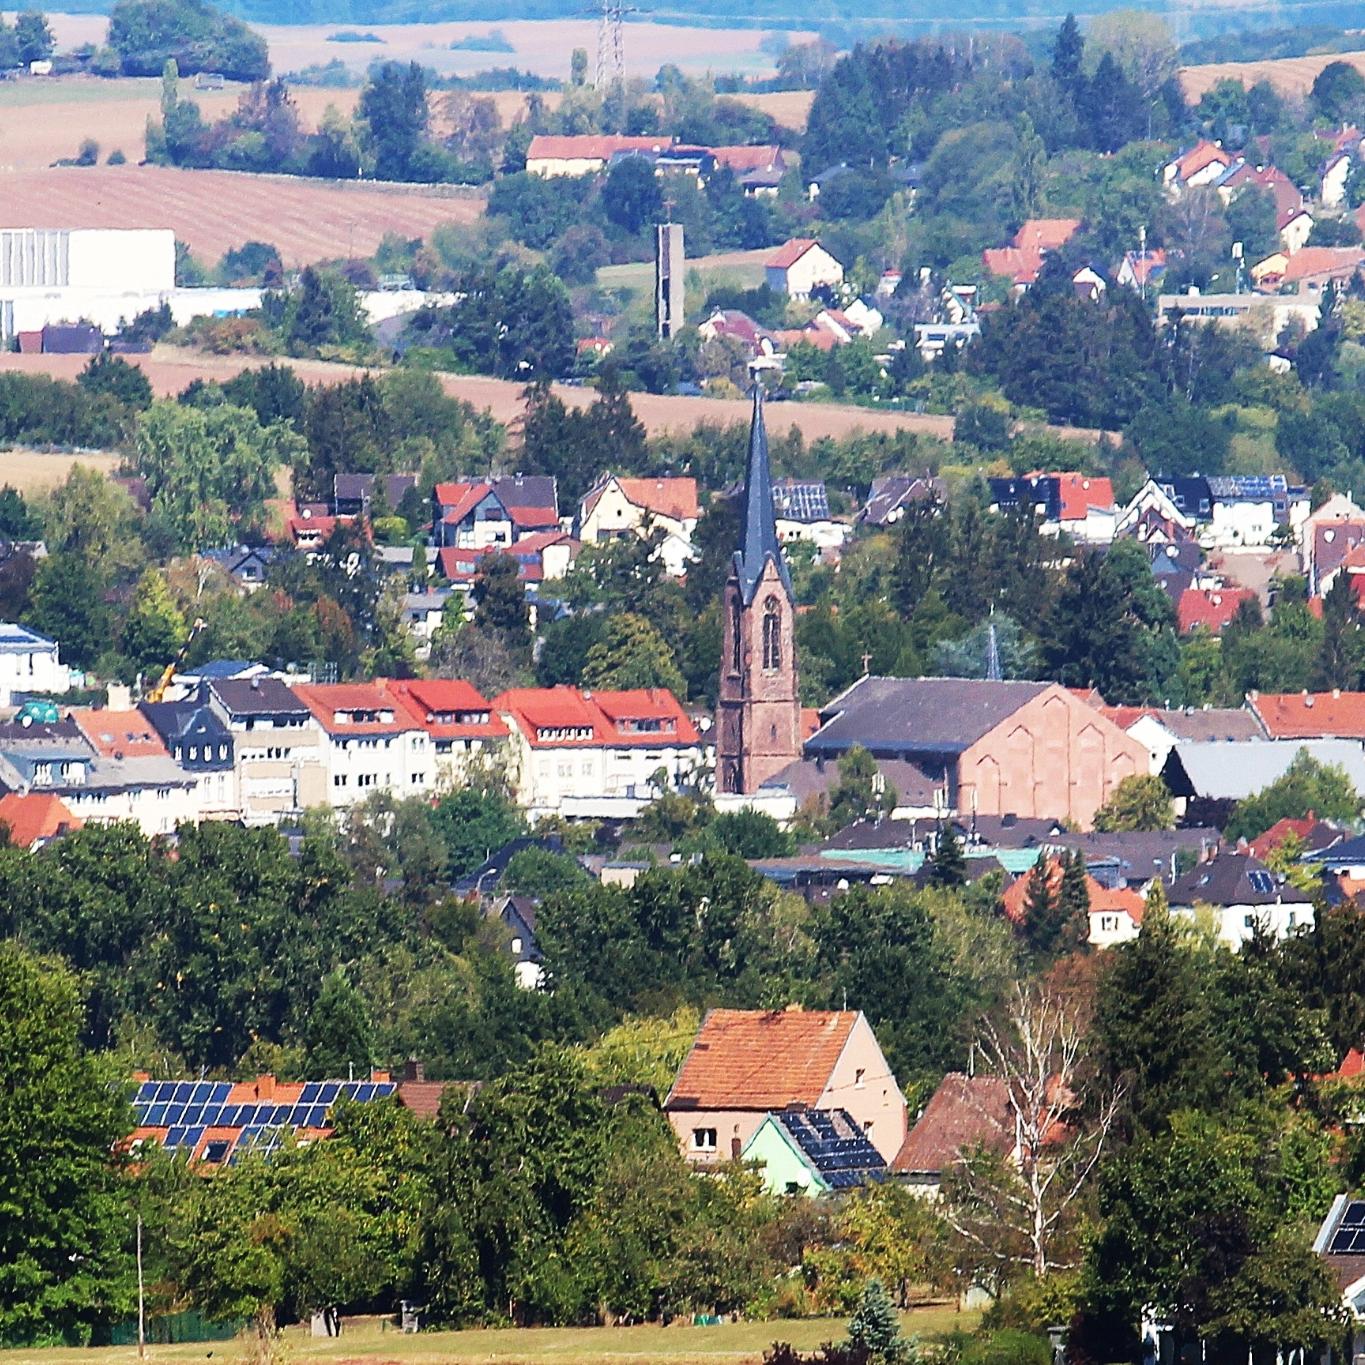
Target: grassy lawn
(25, 93)
(370, 1340)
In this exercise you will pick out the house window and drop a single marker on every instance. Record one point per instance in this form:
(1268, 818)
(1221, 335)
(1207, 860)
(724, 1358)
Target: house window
(214, 1152)
(736, 652)
(1109, 924)
(772, 635)
(793, 1187)
(703, 1139)
(858, 1078)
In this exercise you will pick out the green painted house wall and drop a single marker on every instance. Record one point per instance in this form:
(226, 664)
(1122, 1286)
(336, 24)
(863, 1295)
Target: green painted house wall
(784, 1165)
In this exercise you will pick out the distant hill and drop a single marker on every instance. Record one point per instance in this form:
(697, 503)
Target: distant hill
(1190, 20)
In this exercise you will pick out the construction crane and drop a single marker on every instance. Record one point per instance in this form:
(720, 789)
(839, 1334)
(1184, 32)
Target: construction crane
(164, 681)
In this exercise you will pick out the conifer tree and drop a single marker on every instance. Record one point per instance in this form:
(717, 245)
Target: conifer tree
(875, 1328)
(1042, 910)
(947, 865)
(1073, 902)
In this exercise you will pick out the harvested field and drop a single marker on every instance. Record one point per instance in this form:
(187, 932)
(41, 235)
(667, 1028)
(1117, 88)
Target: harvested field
(43, 121)
(170, 370)
(1292, 76)
(31, 471)
(542, 46)
(308, 220)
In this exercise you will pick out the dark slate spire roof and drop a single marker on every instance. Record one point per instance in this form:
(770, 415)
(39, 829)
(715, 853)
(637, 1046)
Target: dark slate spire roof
(759, 541)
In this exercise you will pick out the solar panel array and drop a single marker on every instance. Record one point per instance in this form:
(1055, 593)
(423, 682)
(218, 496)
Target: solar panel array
(1349, 1238)
(187, 1108)
(801, 501)
(837, 1148)
(1261, 882)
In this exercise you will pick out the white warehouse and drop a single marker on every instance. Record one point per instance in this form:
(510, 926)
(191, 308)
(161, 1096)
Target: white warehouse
(125, 259)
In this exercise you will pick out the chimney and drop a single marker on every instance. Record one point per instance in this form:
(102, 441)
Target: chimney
(119, 697)
(265, 1087)
(414, 1070)
(379, 1076)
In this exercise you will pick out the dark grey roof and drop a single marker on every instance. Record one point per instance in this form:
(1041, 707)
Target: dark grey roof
(759, 543)
(807, 778)
(1215, 722)
(526, 490)
(257, 696)
(1347, 853)
(1233, 879)
(1141, 855)
(992, 831)
(918, 716)
(1180, 557)
(890, 492)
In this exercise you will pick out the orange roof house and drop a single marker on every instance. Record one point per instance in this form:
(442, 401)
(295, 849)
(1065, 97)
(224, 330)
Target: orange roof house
(447, 708)
(1211, 608)
(745, 1064)
(800, 265)
(1022, 259)
(36, 819)
(1309, 715)
(617, 505)
(119, 734)
(216, 1123)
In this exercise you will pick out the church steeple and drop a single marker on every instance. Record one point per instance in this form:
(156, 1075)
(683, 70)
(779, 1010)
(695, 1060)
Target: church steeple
(758, 716)
(758, 542)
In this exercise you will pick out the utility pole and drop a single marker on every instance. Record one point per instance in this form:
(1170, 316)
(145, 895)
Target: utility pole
(141, 1299)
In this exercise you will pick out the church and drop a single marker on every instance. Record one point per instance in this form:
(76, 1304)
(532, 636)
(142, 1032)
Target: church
(758, 712)
(990, 746)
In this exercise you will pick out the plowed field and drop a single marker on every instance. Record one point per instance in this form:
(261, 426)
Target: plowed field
(216, 210)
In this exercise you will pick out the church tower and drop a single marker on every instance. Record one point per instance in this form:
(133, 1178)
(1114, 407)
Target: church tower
(758, 717)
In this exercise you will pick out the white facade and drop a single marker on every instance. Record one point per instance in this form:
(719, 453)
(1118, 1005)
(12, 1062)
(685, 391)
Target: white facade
(1109, 928)
(1236, 924)
(1332, 191)
(29, 662)
(358, 765)
(154, 793)
(813, 268)
(88, 258)
(550, 775)
(825, 534)
(1238, 522)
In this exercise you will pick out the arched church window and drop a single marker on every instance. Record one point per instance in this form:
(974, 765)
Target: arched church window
(772, 635)
(736, 648)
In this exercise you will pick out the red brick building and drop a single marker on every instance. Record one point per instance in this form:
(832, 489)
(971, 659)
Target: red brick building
(758, 715)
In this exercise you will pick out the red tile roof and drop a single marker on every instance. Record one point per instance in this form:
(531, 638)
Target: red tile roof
(1334, 261)
(965, 1112)
(1045, 234)
(757, 1059)
(1015, 899)
(119, 734)
(1268, 842)
(463, 565)
(1080, 493)
(740, 159)
(600, 714)
(1200, 156)
(327, 700)
(1211, 608)
(790, 252)
(426, 700)
(35, 818)
(672, 497)
(589, 146)
(1310, 715)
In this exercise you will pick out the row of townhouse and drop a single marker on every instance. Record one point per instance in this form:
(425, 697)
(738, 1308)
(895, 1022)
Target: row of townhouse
(255, 748)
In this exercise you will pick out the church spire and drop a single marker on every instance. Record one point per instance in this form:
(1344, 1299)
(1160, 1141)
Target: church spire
(758, 541)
